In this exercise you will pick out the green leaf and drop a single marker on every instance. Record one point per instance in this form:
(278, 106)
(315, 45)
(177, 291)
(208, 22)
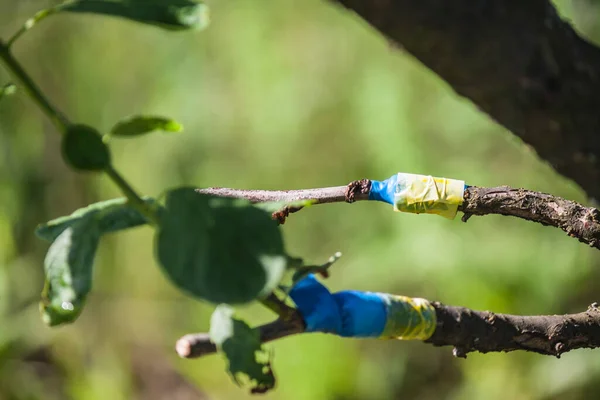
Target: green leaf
(168, 14)
(220, 250)
(112, 216)
(140, 125)
(83, 148)
(68, 266)
(248, 361)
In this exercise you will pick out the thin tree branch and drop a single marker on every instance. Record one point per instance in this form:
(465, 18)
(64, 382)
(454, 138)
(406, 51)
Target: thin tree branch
(198, 344)
(464, 329)
(578, 221)
(336, 194)
(519, 62)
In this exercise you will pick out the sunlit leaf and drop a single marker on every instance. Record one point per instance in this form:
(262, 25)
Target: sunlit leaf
(68, 266)
(220, 250)
(140, 125)
(249, 363)
(168, 14)
(112, 216)
(83, 148)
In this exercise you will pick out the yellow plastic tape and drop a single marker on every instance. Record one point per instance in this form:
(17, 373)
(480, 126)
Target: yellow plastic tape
(408, 318)
(420, 194)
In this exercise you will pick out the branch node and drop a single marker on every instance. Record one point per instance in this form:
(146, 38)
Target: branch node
(559, 348)
(281, 215)
(362, 186)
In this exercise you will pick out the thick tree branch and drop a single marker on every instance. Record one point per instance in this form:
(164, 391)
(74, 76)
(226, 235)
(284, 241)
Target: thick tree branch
(578, 221)
(484, 331)
(517, 61)
(464, 329)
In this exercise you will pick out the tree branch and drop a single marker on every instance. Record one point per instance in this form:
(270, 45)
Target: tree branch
(484, 331)
(196, 345)
(578, 221)
(336, 194)
(517, 61)
(464, 329)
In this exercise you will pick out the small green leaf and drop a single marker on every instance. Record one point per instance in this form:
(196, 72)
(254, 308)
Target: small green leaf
(140, 125)
(168, 14)
(248, 361)
(112, 216)
(221, 250)
(83, 148)
(7, 90)
(68, 266)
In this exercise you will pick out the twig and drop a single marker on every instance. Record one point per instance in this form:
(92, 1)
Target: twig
(578, 221)
(464, 329)
(336, 194)
(14, 67)
(278, 306)
(198, 344)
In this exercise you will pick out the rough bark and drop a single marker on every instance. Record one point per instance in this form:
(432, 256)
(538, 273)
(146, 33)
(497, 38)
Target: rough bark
(582, 223)
(484, 331)
(464, 329)
(517, 61)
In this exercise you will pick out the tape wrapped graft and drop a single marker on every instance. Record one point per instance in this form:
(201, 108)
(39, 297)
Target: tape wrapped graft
(420, 194)
(357, 314)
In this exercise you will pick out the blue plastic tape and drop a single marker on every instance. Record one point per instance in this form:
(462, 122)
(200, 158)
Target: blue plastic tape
(348, 313)
(384, 190)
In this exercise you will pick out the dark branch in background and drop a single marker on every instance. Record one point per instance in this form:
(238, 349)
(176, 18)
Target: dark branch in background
(578, 221)
(517, 61)
(464, 329)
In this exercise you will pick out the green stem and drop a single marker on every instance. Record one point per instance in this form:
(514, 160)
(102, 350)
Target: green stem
(39, 16)
(135, 200)
(14, 67)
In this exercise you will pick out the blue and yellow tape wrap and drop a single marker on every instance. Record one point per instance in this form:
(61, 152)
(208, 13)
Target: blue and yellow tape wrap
(358, 314)
(420, 194)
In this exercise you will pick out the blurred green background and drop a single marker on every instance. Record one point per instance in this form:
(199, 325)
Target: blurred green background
(275, 95)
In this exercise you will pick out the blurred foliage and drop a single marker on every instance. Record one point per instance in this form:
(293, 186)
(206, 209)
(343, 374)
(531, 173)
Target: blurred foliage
(274, 95)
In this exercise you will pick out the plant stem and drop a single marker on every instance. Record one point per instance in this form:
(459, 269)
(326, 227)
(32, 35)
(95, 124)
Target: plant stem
(135, 199)
(31, 22)
(62, 123)
(15, 68)
(273, 303)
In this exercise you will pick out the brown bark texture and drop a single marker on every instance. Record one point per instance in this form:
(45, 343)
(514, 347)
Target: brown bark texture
(485, 331)
(519, 62)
